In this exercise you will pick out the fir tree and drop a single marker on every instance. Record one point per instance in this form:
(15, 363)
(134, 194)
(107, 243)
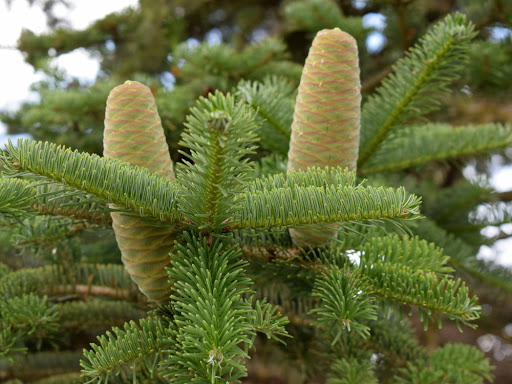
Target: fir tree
(234, 272)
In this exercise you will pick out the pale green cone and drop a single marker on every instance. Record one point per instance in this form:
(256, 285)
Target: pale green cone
(133, 133)
(325, 128)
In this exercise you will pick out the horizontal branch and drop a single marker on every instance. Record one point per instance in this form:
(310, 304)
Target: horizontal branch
(109, 180)
(294, 207)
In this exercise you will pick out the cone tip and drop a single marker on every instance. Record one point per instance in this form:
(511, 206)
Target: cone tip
(335, 32)
(128, 86)
(131, 83)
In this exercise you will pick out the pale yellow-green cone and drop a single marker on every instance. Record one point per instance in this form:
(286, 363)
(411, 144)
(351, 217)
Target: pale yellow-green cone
(133, 133)
(325, 128)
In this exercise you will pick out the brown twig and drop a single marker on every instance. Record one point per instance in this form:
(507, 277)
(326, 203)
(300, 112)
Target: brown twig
(94, 290)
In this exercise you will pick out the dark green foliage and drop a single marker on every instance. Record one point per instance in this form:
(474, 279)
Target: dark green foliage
(41, 364)
(22, 198)
(488, 65)
(66, 378)
(315, 15)
(224, 66)
(453, 363)
(393, 341)
(30, 314)
(351, 372)
(273, 99)
(404, 285)
(97, 313)
(269, 321)
(10, 342)
(15, 199)
(463, 258)
(55, 279)
(314, 177)
(57, 111)
(124, 346)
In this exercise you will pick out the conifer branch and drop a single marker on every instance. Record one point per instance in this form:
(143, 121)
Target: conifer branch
(435, 142)
(343, 303)
(21, 198)
(40, 231)
(62, 378)
(488, 66)
(125, 346)
(287, 207)
(463, 258)
(221, 63)
(109, 180)
(269, 321)
(315, 15)
(85, 279)
(10, 341)
(219, 134)
(454, 203)
(30, 314)
(406, 93)
(414, 253)
(273, 99)
(56, 200)
(16, 198)
(286, 283)
(36, 365)
(452, 363)
(213, 330)
(96, 313)
(310, 177)
(393, 336)
(351, 371)
(401, 284)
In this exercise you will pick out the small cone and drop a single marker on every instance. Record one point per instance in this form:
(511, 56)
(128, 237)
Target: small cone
(134, 133)
(325, 128)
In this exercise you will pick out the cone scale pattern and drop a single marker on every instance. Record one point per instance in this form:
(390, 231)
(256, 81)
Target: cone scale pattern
(325, 128)
(133, 133)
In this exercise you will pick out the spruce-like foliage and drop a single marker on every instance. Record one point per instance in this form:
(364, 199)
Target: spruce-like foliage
(408, 92)
(209, 247)
(220, 133)
(212, 333)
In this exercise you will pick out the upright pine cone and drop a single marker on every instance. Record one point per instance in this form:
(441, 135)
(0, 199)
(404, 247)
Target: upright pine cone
(133, 133)
(325, 128)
